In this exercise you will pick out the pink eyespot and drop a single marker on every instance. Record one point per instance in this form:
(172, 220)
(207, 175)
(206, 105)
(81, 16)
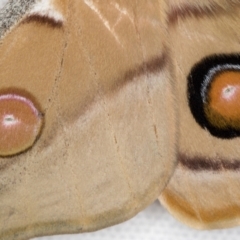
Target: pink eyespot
(20, 124)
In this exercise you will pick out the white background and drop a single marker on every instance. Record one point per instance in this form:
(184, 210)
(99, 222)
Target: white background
(154, 223)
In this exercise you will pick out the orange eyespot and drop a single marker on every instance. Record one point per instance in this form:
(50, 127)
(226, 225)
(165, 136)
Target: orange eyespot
(224, 94)
(20, 124)
(223, 108)
(213, 93)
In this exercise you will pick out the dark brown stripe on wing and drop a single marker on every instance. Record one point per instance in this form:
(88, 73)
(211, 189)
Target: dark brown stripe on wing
(207, 164)
(189, 11)
(154, 65)
(43, 20)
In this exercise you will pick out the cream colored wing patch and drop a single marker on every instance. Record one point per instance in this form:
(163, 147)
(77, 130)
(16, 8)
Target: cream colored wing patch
(47, 9)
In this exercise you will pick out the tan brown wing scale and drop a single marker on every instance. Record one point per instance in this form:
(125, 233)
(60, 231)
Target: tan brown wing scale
(204, 190)
(102, 143)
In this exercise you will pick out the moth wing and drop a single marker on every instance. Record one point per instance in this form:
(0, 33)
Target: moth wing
(204, 190)
(100, 74)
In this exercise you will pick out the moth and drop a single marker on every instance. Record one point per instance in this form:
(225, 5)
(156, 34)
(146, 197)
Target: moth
(82, 147)
(102, 110)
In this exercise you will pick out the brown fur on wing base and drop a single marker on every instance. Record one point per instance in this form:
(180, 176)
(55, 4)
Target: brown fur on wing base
(204, 190)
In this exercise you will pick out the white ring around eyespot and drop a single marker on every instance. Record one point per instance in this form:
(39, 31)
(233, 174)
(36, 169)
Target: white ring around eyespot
(20, 98)
(211, 74)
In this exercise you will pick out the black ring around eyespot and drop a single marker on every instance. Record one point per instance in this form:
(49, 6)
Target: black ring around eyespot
(199, 80)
